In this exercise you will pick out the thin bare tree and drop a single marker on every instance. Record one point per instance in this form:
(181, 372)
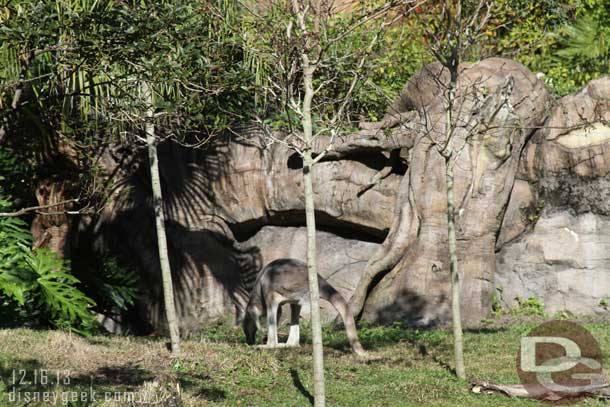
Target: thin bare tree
(295, 69)
(459, 25)
(166, 272)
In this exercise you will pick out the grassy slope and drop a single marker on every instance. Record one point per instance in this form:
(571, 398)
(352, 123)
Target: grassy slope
(217, 369)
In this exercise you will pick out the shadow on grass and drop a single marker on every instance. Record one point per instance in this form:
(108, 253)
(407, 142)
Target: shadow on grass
(127, 375)
(199, 385)
(221, 331)
(296, 380)
(485, 330)
(26, 381)
(212, 394)
(423, 351)
(31, 375)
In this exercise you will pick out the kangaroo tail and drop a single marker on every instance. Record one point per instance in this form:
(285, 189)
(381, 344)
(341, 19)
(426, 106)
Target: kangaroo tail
(331, 295)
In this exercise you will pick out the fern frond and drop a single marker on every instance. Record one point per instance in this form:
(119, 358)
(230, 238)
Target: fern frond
(584, 39)
(14, 230)
(14, 250)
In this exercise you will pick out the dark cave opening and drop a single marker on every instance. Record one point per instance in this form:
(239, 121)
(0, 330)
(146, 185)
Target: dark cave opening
(324, 222)
(373, 159)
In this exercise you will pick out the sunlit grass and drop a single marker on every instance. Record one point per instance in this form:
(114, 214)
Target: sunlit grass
(408, 367)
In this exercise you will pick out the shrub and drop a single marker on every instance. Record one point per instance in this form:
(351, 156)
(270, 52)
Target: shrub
(567, 41)
(36, 287)
(531, 306)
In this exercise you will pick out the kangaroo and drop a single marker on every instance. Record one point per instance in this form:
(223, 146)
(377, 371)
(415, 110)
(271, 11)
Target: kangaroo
(285, 281)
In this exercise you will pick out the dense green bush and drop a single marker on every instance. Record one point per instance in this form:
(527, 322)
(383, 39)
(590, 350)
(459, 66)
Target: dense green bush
(36, 287)
(399, 54)
(113, 285)
(566, 40)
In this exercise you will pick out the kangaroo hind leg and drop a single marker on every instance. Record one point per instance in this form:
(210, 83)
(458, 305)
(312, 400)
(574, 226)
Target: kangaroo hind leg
(294, 335)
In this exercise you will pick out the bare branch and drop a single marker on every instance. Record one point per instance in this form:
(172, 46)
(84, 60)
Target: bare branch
(37, 209)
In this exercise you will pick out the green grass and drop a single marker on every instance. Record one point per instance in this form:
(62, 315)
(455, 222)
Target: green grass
(409, 367)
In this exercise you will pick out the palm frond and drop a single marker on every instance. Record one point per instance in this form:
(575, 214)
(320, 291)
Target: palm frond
(584, 39)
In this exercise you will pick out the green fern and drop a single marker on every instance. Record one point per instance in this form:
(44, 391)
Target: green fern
(14, 243)
(12, 286)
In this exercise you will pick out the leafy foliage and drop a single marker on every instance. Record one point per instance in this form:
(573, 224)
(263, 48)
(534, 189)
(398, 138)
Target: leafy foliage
(14, 175)
(79, 66)
(566, 40)
(113, 286)
(36, 285)
(531, 306)
(119, 285)
(398, 55)
(55, 287)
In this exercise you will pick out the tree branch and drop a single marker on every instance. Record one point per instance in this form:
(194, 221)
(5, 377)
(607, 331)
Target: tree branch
(23, 211)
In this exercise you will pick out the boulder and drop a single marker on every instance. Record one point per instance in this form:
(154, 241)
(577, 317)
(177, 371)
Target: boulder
(564, 262)
(414, 258)
(561, 253)
(218, 200)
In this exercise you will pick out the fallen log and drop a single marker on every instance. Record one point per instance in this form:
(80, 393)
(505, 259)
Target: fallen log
(536, 391)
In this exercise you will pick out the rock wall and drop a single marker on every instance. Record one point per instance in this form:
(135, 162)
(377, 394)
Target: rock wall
(554, 243)
(564, 262)
(530, 187)
(415, 287)
(220, 205)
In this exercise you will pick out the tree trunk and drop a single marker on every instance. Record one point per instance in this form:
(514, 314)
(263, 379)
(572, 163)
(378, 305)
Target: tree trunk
(312, 269)
(166, 273)
(455, 280)
(314, 295)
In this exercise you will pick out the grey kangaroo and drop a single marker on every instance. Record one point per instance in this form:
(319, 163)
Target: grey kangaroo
(285, 281)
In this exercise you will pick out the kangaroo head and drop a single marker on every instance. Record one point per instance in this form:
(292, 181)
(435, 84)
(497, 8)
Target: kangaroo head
(250, 325)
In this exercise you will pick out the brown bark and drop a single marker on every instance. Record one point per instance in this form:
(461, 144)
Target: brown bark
(51, 226)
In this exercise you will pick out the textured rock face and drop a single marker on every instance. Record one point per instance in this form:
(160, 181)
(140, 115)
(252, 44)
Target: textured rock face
(210, 272)
(340, 261)
(416, 288)
(239, 204)
(216, 198)
(565, 259)
(257, 184)
(564, 262)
